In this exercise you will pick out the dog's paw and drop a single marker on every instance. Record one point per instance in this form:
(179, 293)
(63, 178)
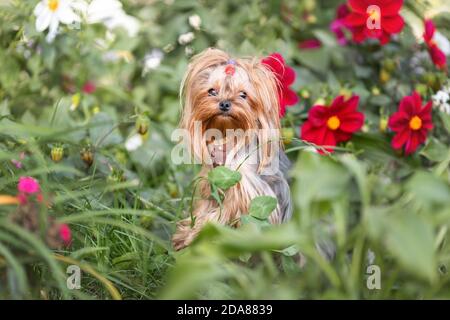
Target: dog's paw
(183, 236)
(179, 241)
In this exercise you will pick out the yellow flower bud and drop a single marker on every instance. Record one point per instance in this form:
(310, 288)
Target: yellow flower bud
(287, 134)
(96, 109)
(383, 124)
(173, 189)
(57, 153)
(320, 101)
(347, 93)
(310, 18)
(142, 124)
(87, 156)
(385, 76)
(389, 65)
(376, 91)
(305, 94)
(75, 101)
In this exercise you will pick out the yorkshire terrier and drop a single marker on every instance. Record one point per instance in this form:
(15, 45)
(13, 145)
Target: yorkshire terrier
(222, 96)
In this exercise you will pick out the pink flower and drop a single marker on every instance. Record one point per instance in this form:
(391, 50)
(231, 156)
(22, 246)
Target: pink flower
(310, 44)
(65, 234)
(89, 87)
(338, 24)
(28, 185)
(18, 163)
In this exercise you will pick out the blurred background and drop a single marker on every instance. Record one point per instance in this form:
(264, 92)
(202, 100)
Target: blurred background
(89, 97)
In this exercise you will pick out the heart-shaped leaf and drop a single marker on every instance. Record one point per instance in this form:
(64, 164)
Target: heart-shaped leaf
(223, 177)
(261, 207)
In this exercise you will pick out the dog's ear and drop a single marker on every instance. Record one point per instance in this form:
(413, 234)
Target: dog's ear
(198, 71)
(267, 108)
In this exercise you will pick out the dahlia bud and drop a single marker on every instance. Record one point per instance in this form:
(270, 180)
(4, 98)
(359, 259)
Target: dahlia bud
(385, 76)
(383, 124)
(376, 91)
(142, 124)
(117, 175)
(57, 153)
(287, 134)
(319, 102)
(75, 101)
(87, 156)
(430, 79)
(310, 18)
(305, 94)
(347, 93)
(389, 65)
(173, 189)
(147, 221)
(421, 89)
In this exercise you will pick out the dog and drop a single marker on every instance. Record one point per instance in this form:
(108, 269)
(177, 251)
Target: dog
(224, 96)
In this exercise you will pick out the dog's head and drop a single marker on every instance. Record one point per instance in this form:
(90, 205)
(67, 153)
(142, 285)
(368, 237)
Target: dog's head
(222, 93)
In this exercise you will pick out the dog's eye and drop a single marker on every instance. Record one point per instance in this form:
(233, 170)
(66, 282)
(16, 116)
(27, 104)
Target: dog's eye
(212, 92)
(243, 95)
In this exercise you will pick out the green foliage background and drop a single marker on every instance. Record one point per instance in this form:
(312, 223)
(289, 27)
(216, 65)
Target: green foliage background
(375, 205)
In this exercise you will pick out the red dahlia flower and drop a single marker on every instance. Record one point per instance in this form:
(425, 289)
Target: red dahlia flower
(437, 55)
(328, 126)
(377, 19)
(411, 123)
(286, 77)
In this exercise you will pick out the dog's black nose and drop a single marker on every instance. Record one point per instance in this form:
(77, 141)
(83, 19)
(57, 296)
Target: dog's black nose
(225, 105)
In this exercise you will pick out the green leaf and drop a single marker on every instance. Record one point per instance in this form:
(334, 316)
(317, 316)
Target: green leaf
(261, 207)
(446, 120)
(318, 178)
(381, 100)
(223, 177)
(317, 59)
(103, 131)
(435, 150)
(428, 189)
(248, 219)
(411, 241)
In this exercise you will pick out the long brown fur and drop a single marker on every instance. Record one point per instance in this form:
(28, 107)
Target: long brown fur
(259, 110)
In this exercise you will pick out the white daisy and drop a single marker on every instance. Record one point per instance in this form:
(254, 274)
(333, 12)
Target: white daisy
(152, 60)
(195, 21)
(129, 23)
(50, 13)
(101, 10)
(134, 142)
(112, 15)
(442, 100)
(186, 38)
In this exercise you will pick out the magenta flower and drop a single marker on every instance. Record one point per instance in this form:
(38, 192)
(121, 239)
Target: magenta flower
(28, 185)
(18, 163)
(338, 25)
(65, 233)
(89, 87)
(310, 44)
